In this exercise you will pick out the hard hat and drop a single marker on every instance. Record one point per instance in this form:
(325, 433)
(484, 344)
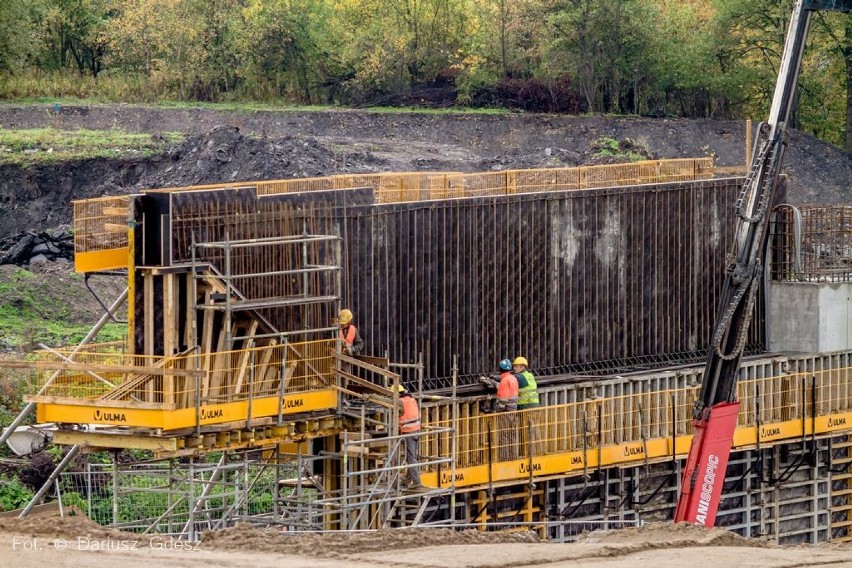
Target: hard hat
(344, 317)
(400, 389)
(521, 361)
(505, 365)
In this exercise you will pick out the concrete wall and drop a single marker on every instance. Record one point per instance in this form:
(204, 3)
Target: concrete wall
(809, 316)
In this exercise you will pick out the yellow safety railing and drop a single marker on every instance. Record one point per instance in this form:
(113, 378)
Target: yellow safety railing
(772, 408)
(100, 225)
(100, 233)
(103, 378)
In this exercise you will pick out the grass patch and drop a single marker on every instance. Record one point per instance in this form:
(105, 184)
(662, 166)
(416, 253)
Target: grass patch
(23, 327)
(43, 309)
(249, 106)
(40, 145)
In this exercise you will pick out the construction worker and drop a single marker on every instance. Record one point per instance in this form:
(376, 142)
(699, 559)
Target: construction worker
(352, 342)
(527, 398)
(409, 421)
(507, 403)
(507, 388)
(527, 389)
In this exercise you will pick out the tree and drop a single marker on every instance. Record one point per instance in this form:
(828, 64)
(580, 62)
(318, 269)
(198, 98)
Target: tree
(17, 32)
(74, 31)
(603, 45)
(285, 47)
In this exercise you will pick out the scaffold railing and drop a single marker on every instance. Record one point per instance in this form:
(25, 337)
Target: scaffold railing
(639, 426)
(101, 231)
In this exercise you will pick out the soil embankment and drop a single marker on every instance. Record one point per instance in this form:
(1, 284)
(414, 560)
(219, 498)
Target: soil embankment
(234, 146)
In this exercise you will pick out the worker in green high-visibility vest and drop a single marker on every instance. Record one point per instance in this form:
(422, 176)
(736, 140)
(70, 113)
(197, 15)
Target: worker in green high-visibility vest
(527, 389)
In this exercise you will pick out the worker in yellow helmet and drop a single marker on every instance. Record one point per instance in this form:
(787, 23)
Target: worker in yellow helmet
(353, 344)
(527, 389)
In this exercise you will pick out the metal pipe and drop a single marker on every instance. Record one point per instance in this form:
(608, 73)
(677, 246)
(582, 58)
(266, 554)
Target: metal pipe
(72, 453)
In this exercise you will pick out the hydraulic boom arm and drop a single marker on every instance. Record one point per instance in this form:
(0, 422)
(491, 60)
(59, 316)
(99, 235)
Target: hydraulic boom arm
(716, 411)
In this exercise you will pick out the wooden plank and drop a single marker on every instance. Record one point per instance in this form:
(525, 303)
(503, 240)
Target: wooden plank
(148, 321)
(221, 360)
(365, 366)
(170, 331)
(378, 389)
(97, 440)
(262, 375)
(207, 343)
(115, 228)
(95, 403)
(245, 358)
(127, 387)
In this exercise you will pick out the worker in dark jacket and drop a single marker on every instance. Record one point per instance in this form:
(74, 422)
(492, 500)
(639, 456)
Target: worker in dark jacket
(353, 344)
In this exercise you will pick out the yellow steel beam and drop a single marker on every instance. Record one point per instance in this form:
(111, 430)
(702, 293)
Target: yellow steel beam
(75, 411)
(631, 453)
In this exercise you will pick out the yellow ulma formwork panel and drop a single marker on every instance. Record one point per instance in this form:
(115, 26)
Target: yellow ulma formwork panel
(158, 418)
(631, 453)
(94, 261)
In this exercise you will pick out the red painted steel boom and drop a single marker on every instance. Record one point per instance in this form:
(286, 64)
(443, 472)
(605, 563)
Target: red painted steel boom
(715, 413)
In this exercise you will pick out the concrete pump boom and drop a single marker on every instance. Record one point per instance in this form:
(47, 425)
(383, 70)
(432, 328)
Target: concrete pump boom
(716, 411)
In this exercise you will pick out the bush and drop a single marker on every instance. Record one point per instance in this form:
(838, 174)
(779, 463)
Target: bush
(532, 95)
(13, 493)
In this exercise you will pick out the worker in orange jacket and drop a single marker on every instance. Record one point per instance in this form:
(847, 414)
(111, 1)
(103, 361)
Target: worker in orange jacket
(507, 404)
(409, 422)
(507, 389)
(353, 344)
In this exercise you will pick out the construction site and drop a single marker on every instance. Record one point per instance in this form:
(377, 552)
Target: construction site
(606, 278)
(688, 327)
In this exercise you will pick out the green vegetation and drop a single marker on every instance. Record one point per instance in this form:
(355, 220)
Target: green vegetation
(32, 311)
(623, 151)
(50, 144)
(13, 493)
(693, 58)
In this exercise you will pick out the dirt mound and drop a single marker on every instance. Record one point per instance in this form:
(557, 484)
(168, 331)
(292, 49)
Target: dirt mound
(661, 535)
(60, 527)
(232, 146)
(343, 545)
(226, 155)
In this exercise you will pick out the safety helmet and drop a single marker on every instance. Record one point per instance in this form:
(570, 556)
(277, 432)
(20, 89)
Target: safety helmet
(344, 317)
(400, 389)
(505, 365)
(521, 361)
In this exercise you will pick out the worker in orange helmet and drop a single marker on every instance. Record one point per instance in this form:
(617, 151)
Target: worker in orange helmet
(409, 422)
(353, 344)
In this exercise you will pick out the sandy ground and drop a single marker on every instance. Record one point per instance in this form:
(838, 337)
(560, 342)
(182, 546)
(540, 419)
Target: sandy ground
(61, 543)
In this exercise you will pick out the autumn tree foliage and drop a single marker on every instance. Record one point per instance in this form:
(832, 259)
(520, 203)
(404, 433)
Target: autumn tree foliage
(693, 58)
